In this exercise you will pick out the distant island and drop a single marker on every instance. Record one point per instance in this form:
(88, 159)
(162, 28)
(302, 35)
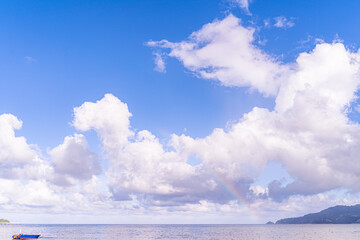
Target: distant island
(4, 221)
(333, 215)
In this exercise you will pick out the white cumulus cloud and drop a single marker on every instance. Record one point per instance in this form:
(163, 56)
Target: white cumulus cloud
(224, 51)
(13, 149)
(73, 160)
(309, 131)
(109, 117)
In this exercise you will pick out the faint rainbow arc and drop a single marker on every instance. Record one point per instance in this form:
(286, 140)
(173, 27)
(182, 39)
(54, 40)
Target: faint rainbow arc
(232, 189)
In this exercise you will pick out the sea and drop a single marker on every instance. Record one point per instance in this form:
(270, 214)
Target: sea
(222, 232)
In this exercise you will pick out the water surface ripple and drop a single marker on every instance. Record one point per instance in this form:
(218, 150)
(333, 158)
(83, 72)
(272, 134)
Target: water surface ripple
(206, 232)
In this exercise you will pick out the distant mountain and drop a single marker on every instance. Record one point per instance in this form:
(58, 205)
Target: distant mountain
(336, 215)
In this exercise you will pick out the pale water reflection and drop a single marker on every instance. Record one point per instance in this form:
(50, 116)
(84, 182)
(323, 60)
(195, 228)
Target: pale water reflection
(223, 232)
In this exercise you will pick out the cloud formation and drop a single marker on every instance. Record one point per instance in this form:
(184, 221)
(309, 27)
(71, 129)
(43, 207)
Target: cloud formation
(73, 161)
(109, 117)
(13, 149)
(283, 22)
(308, 132)
(224, 51)
(139, 164)
(26, 176)
(17, 157)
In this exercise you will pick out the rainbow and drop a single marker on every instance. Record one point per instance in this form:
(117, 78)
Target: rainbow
(233, 190)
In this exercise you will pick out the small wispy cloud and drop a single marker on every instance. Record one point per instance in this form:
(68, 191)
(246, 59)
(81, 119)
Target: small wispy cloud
(319, 40)
(283, 22)
(308, 39)
(159, 62)
(267, 23)
(243, 4)
(29, 59)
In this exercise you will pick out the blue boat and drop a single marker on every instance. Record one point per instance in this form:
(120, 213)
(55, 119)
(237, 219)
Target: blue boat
(25, 236)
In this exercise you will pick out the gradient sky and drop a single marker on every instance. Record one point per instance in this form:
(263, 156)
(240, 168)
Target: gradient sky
(228, 111)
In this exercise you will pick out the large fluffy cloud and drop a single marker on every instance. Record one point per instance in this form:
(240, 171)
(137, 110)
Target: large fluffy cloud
(73, 160)
(138, 163)
(224, 51)
(27, 177)
(13, 150)
(24, 172)
(18, 159)
(309, 131)
(109, 117)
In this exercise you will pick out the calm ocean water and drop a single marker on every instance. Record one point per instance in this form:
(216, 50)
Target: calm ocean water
(223, 232)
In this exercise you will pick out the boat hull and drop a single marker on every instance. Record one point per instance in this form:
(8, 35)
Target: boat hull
(26, 236)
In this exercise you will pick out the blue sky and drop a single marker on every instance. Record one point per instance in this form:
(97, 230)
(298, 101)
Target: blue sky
(57, 55)
(82, 50)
